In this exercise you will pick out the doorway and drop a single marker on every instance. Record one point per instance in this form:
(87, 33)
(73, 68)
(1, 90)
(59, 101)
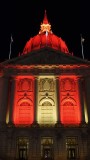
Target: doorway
(22, 154)
(47, 153)
(72, 153)
(47, 148)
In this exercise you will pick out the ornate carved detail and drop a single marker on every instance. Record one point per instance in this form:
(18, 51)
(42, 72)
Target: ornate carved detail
(24, 85)
(24, 101)
(46, 84)
(68, 84)
(49, 101)
(46, 103)
(46, 100)
(25, 104)
(68, 101)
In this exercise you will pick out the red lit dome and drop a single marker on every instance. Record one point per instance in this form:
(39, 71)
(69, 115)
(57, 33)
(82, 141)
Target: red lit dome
(45, 38)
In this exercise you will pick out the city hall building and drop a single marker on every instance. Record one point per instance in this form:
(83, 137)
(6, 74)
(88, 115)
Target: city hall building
(45, 102)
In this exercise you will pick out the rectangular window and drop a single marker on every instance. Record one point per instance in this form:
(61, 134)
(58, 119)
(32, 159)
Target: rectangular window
(22, 148)
(72, 148)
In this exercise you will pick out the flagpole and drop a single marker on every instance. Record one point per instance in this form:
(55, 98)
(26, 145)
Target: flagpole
(82, 40)
(11, 40)
(10, 51)
(82, 51)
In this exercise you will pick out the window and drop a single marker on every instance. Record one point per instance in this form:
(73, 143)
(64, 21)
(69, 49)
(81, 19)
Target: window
(22, 148)
(71, 153)
(72, 148)
(47, 148)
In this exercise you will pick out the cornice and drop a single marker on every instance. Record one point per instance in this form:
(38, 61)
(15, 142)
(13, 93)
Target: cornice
(80, 69)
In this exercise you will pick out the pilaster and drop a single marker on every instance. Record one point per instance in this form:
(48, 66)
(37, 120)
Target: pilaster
(58, 124)
(35, 101)
(12, 95)
(81, 95)
(3, 98)
(87, 94)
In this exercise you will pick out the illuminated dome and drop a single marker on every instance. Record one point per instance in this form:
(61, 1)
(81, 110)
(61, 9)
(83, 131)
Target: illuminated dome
(45, 38)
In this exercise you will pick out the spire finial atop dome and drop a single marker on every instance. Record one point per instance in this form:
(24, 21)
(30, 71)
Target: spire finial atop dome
(45, 38)
(45, 20)
(45, 26)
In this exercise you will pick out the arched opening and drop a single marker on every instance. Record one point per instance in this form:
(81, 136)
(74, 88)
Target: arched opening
(46, 115)
(69, 112)
(24, 114)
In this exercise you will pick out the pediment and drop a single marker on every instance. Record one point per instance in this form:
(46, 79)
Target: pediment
(45, 56)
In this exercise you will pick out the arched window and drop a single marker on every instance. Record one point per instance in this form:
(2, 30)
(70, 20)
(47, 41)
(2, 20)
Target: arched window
(24, 114)
(46, 111)
(69, 112)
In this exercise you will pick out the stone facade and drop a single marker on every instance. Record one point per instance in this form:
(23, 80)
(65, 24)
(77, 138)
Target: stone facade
(49, 87)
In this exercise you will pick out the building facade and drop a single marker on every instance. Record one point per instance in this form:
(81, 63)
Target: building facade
(45, 102)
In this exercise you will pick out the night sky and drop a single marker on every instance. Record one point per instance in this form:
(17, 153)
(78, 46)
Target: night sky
(22, 19)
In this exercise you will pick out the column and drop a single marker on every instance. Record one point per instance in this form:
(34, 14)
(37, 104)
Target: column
(87, 93)
(58, 101)
(3, 98)
(35, 100)
(81, 99)
(12, 95)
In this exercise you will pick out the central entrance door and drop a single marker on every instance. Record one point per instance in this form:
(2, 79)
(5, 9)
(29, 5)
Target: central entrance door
(47, 148)
(22, 154)
(47, 153)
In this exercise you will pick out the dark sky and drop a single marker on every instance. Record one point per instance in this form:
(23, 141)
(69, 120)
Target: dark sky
(22, 19)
